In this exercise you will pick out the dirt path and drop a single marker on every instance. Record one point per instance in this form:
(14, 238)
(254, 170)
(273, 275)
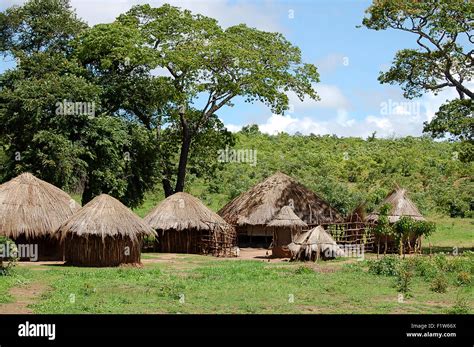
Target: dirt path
(22, 297)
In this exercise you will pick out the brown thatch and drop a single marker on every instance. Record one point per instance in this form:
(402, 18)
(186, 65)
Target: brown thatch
(31, 210)
(251, 211)
(313, 243)
(261, 203)
(285, 226)
(104, 233)
(185, 225)
(286, 218)
(400, 205)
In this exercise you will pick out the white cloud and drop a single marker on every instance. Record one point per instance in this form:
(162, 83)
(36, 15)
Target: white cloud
(263, 15)
(330, 97)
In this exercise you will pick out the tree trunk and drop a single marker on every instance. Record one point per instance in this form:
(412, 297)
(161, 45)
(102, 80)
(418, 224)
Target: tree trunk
(87, 193)
(167, 187)
(183, 156)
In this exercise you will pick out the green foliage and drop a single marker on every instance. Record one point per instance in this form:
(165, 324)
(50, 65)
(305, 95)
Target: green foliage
(385, 266)
(9, 256)
(404, 277)
(461, 306)
(464, 278)
(439, 283)
(443, 30)
(434, 177)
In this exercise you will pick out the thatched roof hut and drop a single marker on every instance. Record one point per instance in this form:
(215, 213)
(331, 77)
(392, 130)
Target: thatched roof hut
(31, 210)
(104, 233)
(313, 244)
(285, 226)
(185, 225)
(400, 205)
(251, 211)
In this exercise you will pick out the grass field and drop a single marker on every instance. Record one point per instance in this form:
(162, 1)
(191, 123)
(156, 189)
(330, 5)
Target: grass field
(199, 284)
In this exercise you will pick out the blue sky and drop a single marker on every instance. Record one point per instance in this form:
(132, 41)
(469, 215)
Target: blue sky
(349, 60)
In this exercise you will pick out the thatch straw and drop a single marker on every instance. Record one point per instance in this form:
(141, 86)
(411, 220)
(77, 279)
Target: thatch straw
(186, 225)
(400, 205)
(260, 204)
(182, 211)
(106, 216)
(286, 218)
(103, 233)
(316, 240)
(32, 208)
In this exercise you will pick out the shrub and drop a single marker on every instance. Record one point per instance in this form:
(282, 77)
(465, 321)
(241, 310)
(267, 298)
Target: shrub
(303, 270)
(404, 276)
(386, 266)
(8, 255)
(440, 283)
(461, 306)
(463, 278)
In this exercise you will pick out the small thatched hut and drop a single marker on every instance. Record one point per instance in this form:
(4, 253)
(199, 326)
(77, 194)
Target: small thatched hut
(104, 233)
(185, 225)
(285, 226)
(251, 211)
(314, 244)
(400, 205)
(31, 210)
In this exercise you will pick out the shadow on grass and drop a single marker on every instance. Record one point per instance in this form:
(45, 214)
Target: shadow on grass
(450, 250)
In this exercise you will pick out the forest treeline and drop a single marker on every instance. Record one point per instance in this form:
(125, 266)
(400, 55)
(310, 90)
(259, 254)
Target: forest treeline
(348, 171)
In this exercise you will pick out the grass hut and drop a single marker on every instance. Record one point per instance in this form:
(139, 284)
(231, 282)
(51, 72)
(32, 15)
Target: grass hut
(285, 226)
(400, 205)
(104, 233)
(251, 211)
(314, 244)
(185, 225)
(31, 210)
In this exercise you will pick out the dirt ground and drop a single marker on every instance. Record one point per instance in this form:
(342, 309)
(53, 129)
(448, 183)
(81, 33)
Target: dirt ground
(22, 297)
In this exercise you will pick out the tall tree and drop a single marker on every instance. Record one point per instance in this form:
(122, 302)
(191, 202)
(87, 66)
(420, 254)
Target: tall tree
(208, 67)
(444, 32)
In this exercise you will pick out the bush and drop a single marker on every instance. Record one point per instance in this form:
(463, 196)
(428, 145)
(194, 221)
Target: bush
(303, 270)
(386, 266)
(463, 278)
(440, 283)
(404, 276)
(461, 306)
(8, 255)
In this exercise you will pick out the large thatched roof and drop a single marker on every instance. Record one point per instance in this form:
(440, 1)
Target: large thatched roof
(286, 218)
(400, 205)
(182, 211)
(30, 207)
(105, 216)
(261, 203)
(313, 240)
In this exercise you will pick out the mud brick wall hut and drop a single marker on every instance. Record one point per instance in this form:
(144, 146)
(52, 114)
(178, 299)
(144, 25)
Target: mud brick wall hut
(104, 233)
(31, 210)
(251, 211)
(185, 225)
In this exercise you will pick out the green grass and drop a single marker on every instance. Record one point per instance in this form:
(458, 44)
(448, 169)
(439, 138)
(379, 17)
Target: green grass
(450, 233)
(202, 284)
(199, 284)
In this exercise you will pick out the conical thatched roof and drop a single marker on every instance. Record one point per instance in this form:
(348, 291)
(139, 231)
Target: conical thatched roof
(286, 218)
(261, 203)
(30, 207)
(310, 241)
(105, 216)
(400, 204)
(182, 211)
